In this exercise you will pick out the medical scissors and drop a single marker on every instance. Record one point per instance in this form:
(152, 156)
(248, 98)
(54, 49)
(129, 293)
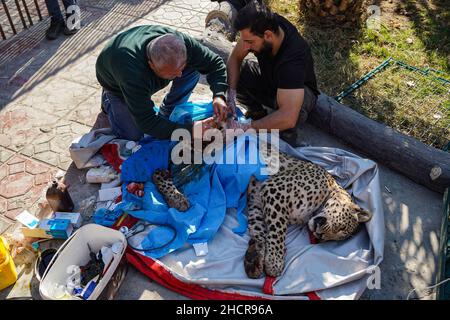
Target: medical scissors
(139, 227)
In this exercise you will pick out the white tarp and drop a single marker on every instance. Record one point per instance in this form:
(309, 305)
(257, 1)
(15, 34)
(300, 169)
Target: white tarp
(334, 270)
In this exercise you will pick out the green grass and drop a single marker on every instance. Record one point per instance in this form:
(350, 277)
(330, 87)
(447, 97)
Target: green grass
(421, 38)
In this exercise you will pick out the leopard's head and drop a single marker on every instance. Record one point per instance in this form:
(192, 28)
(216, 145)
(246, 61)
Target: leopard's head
(337, 221)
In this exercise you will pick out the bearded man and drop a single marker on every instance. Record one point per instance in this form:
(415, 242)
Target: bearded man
(282, 78)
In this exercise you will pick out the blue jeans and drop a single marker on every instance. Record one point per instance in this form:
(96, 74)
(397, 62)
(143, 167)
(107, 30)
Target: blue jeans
(54, 10)
(122, 121)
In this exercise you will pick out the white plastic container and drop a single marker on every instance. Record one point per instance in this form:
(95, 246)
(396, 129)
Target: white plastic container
(75, 217)
(75, 252)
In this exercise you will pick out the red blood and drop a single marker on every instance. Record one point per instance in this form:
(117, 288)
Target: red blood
(132, 187)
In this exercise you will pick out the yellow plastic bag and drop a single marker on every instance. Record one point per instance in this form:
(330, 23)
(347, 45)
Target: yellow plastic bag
(8, 273)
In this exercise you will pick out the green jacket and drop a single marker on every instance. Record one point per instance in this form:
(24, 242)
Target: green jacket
(122, 68)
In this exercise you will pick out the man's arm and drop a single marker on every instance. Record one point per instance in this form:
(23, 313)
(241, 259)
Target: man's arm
(290, 102)
(234, 64)
(233, 72)
(141, 107)
(207, 62)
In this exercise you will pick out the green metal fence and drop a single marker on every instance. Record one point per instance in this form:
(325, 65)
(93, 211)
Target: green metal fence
(412, 100)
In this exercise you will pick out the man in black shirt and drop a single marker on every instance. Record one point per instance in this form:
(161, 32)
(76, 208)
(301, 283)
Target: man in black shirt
(283, 76)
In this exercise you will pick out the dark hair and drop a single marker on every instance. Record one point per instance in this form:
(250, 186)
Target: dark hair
(257, 17)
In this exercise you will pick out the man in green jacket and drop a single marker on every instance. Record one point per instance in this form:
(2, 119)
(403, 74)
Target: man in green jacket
(137, 63)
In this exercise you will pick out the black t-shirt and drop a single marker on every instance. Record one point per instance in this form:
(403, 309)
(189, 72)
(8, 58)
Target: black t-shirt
(293, 66)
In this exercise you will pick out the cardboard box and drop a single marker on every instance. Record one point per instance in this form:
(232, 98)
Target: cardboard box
(57, 228)
(75, 218)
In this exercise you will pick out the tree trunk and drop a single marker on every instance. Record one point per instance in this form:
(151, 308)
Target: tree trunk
(425, 165)
(332, 12)
(219, 21)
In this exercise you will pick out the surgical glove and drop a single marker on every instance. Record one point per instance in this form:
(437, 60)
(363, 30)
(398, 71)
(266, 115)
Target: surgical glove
(231, 100)
(233, 124)
(200, 127)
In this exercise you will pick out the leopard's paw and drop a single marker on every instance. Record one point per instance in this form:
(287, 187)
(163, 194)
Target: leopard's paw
(254, 260)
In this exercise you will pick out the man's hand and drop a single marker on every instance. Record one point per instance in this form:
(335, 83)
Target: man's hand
(220, 109)
(199, 127)
(231, 100)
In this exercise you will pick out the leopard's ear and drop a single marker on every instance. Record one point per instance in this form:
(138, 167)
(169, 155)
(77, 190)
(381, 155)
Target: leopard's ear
(364, 215)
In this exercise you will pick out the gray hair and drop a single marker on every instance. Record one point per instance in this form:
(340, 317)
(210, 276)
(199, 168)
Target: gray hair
(168, 49)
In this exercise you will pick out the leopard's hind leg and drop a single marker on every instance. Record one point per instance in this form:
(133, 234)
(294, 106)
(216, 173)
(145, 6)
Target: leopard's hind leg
(276, 218)
(254, 257)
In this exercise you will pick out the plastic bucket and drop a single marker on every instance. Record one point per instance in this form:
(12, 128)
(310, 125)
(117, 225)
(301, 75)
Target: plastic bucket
(74, 252)
(8, 272)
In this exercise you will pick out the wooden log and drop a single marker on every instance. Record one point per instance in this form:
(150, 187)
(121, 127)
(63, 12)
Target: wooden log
(222, 17)
(218, 28)
(217, 42)
(419, 162)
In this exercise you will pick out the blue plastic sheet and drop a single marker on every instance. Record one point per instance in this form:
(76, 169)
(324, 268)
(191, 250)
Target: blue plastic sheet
(222, 186)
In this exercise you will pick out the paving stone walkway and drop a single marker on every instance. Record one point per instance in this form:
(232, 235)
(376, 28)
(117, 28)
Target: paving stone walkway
(49, 96)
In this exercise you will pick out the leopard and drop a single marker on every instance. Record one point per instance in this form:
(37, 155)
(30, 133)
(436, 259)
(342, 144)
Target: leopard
(172, 195)
(300, 193)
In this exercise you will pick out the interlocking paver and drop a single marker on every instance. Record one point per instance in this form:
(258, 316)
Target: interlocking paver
(83, 72)
(172, 16)
(16, 159)
(105, 4)
(16, 168)
(23, 184)
(197, 22)
(138, 8)
(19, 70)
(15, 185)
(42, 147)
(34, 167)
(86, 113)
(15, 47)
(49, 157)
(42, 178)
(5, 140)
(49, 59)
(193, 5)
(3, 171)
(5, 154)
(62, 129)
(18, 203)
(207, 6)
(3, 205)
(5, 225)
(20, 126)
(109, 22)
(56, 152)
(13, 213)
(49, 145)
(57, 96)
